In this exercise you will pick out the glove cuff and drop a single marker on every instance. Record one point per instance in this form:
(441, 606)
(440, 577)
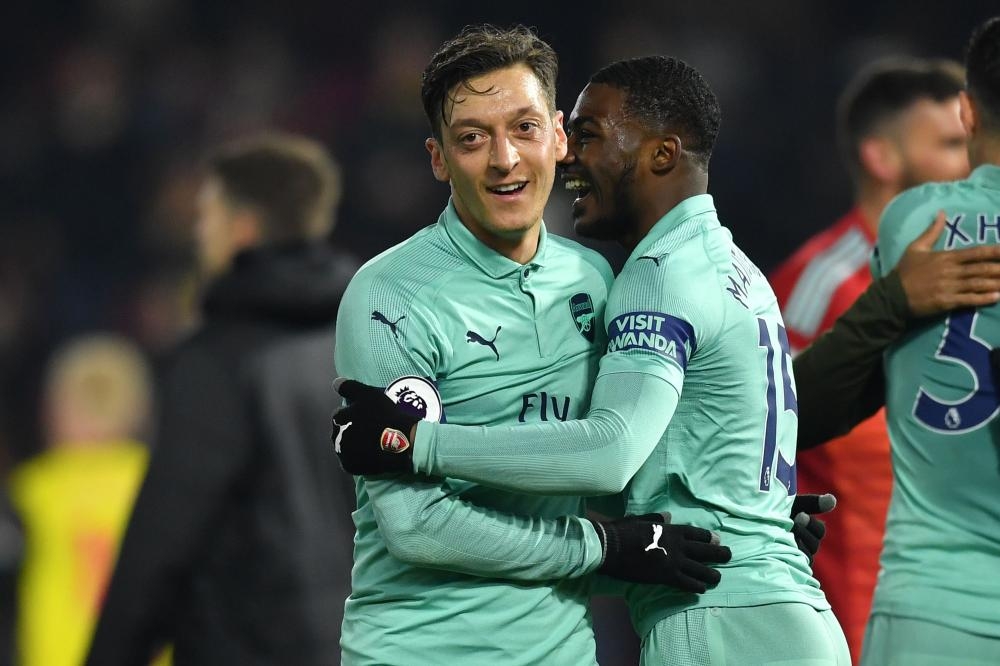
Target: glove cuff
(611, 546)
(602, 534)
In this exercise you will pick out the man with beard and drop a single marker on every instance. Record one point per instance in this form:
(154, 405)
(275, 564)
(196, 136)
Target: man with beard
(695, 340)
(485, 318)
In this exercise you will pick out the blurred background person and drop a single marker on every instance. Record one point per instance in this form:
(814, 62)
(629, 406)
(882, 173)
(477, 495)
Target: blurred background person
(75, 497)
(238, 550)
(898, 127)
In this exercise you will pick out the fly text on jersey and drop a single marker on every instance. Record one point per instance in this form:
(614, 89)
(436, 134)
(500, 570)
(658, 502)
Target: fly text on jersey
(546, 406)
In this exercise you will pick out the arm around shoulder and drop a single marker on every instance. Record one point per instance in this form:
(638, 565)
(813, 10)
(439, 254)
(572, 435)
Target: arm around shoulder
(839, 377)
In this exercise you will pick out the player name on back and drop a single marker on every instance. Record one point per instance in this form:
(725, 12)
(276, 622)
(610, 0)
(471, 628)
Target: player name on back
(963, 229)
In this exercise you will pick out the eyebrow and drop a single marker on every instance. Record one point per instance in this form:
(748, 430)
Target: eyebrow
(476, 122)
(583, 120)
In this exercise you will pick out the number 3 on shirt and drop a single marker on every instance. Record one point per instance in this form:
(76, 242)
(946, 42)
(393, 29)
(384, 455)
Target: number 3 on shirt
(784, 472)
(961, 346)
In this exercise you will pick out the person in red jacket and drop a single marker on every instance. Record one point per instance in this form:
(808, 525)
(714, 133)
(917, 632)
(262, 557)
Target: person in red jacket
(898, 126)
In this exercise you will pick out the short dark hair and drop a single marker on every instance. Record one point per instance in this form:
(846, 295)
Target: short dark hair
(290, 181)
(982, 72)
(665, 92)
(882, 91)
(478, 50)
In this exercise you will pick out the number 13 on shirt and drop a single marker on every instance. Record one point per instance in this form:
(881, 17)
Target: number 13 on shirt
(778, 402)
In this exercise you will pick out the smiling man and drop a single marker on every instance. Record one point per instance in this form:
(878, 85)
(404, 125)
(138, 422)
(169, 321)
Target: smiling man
(477, 319)
(696, 341)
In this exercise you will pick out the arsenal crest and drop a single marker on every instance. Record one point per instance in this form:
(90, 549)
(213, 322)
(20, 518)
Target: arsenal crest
(394, 441)
(582, 310)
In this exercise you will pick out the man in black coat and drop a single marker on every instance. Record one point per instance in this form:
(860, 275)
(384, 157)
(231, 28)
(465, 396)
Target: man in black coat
(238, 550)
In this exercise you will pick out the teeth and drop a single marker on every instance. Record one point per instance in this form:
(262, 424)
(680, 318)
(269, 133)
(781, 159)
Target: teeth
(508, 188)
(576, 184)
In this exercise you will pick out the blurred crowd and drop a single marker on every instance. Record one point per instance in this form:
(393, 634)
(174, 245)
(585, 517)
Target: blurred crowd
(109, 107)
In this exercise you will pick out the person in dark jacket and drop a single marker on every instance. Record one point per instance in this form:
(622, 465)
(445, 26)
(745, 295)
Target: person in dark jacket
(238, 550)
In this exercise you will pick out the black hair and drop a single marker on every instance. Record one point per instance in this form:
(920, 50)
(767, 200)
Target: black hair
(667, 93)
(882, 91)
(290, 180)
(982, 72)
(478, 50)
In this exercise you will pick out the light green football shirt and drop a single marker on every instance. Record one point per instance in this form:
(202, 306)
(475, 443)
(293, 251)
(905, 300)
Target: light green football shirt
(693, 330)
(446, 571)
(941, 554)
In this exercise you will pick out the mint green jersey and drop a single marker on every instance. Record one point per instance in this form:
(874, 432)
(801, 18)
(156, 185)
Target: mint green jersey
(942, 539)
(726, 460)
(447, 571)
(693, 412)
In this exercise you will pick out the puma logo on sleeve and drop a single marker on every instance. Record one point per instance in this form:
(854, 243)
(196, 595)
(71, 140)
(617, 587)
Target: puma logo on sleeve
(381, 318)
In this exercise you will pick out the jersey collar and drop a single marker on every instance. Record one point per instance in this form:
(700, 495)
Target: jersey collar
(700, 204)
(986, 175)
(857, 220)
(485, 258)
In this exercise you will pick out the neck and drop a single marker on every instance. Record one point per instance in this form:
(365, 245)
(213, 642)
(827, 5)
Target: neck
(984, 149)
(871, 200)
(660, 202)
(520, 248)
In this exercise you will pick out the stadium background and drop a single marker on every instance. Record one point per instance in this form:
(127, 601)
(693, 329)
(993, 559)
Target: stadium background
(108, 105)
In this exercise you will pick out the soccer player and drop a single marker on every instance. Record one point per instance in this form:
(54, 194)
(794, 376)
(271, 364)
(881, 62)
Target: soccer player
(695, 340)
(937, 600)
(485, 318)
(898, 126)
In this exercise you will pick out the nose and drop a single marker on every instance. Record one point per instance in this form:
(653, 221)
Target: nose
(503, 155)
(570, 156)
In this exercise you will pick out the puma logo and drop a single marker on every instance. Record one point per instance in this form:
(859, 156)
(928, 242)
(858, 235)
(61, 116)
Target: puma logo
(472, 336)
(340, 434)
(655, 545)
(379, 317)
(655, 260)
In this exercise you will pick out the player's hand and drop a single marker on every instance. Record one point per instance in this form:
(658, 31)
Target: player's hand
(806, 527)
(371, 435)
(648, 549)
(935, 282)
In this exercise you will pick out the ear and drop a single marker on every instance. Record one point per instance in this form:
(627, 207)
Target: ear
(968, 113)
(561, 140)
(880, 159)
(666, 153)
(438, 164)
(247, 229)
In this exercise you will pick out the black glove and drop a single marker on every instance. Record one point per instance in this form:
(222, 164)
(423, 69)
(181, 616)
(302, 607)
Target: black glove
(371, 435)
(647, 549)
(807, 528)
